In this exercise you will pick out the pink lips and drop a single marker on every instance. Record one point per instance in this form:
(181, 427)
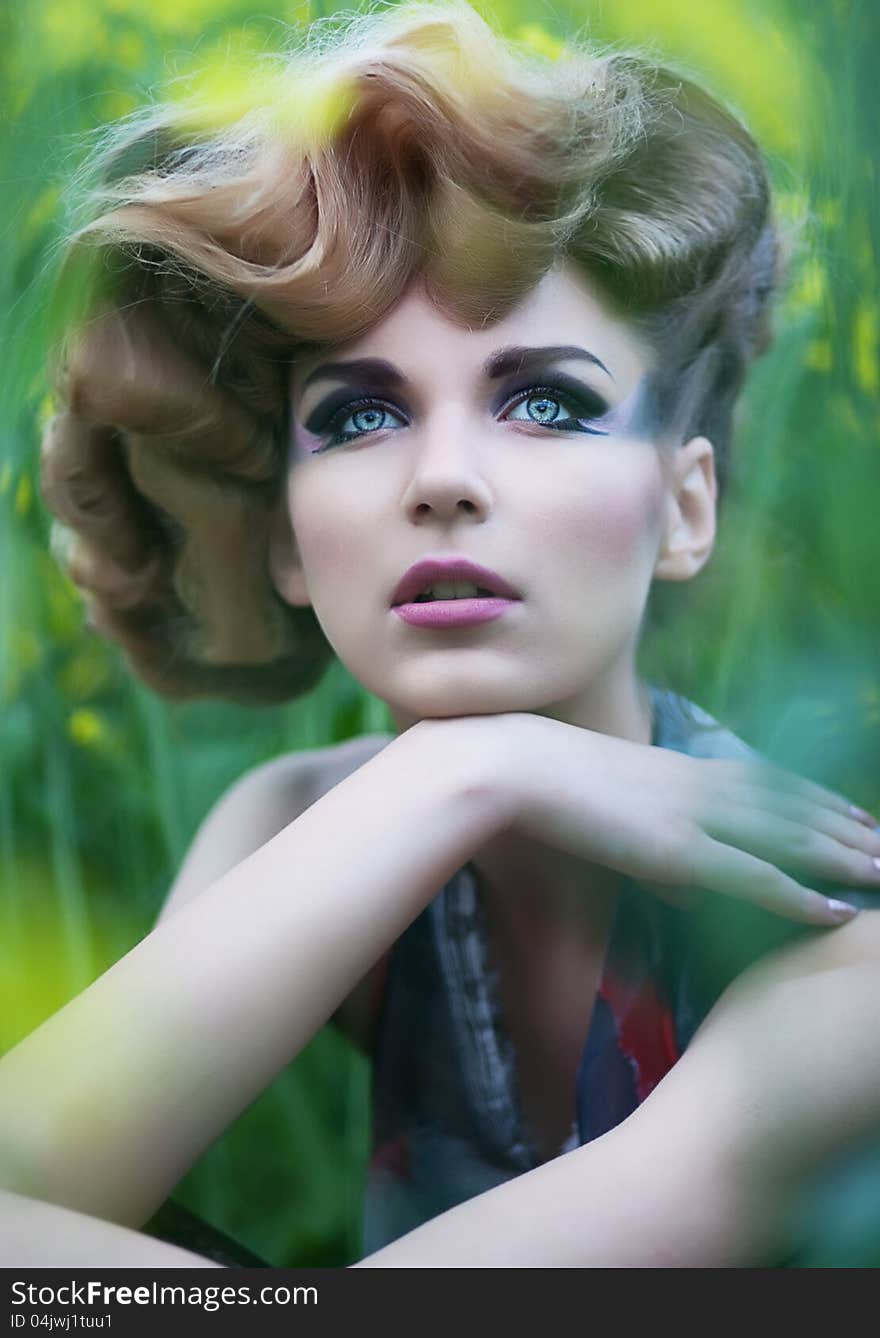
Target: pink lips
(451, 613)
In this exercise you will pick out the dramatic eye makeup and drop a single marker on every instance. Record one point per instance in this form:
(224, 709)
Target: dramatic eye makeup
(557, 403)
(328, 422)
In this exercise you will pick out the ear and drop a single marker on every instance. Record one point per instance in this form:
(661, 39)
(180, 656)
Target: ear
(285, 566)
(689, 532)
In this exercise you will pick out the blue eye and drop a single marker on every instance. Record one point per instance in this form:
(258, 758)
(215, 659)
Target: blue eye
(545, 407)
(369, 411)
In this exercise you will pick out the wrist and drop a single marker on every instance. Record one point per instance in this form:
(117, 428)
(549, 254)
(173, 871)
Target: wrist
(481, 758)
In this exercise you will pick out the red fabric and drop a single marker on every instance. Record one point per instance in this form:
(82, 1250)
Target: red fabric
(645, 1029)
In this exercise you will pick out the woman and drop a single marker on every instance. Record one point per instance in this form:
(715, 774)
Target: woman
(442, 382)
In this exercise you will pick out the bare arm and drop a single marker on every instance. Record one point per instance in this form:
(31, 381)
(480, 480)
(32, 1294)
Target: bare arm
(781, 1079)
(784, 1073)
(259, 806)
(107, 1104)
(798, 1031)
(646, 1194)
(691, 1179)
(662, 1189)
(43, 1235)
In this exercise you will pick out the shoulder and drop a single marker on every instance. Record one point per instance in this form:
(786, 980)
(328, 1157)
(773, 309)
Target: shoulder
(302, 777)
(685, 727)
(257, 806)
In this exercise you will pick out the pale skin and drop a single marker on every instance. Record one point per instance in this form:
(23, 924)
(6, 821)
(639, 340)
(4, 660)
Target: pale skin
(529, 740)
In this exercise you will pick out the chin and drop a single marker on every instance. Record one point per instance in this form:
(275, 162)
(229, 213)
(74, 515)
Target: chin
(473, 699)
(442, 691)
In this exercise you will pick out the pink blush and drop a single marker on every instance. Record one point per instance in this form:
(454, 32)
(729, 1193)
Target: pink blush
(623, 523)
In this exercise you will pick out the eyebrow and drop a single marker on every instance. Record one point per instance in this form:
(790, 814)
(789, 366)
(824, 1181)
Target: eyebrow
(376, 372)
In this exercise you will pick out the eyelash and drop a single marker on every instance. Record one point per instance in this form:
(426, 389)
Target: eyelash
(591, 407)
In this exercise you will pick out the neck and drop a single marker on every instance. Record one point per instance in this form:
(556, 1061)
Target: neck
(620, 706)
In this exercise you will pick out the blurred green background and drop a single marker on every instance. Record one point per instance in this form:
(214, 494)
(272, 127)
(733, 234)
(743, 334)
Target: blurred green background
(103, 784)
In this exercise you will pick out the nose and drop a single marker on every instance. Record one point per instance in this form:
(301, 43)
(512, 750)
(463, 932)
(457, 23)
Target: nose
(447, 479)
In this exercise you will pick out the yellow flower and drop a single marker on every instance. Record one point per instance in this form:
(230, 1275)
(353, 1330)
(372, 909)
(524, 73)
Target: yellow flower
(758, 63)
(87, 728)
(233, 82)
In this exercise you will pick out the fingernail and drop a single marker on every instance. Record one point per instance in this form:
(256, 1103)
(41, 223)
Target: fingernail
(863, 816)
(841, 911)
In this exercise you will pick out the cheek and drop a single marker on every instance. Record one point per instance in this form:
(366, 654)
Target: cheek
(319, 535)
(315, 517)
(624, 525)
(615, 517)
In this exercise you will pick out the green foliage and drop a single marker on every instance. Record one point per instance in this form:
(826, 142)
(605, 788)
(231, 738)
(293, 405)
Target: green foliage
(102, 785)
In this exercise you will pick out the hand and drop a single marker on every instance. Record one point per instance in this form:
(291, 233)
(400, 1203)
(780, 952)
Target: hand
(677, 821)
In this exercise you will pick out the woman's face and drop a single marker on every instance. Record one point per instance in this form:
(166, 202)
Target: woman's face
(454, 449)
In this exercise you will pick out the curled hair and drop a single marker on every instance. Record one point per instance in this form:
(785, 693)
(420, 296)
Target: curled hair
(220, 255)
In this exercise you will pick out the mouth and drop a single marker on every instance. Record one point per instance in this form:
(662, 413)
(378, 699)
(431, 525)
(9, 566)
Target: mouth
(450, 580)
(449, 614)
(449, 591)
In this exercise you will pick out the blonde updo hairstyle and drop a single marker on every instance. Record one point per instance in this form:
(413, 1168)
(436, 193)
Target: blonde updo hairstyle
(217, 256)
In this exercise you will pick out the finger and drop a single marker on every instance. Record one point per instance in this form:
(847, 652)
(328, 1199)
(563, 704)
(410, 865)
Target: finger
(867, 819)
(781, 841)
(780, 781)
(846, 830)
(737, 874)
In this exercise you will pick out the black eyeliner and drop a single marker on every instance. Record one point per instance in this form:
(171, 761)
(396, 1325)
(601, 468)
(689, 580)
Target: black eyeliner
(585, 395)
(593, 404)
(323, 414)
(339, 405)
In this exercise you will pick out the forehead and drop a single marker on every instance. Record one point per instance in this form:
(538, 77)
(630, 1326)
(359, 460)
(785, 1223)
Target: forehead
(565, 307)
